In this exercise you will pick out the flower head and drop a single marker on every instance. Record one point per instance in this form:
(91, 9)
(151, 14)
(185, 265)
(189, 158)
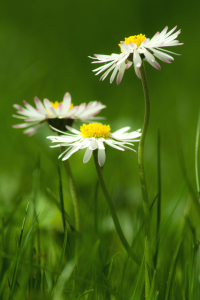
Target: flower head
(57, 114)
(93, 136)
(133, 50)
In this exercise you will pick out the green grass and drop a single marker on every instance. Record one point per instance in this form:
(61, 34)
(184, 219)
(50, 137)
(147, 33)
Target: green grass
(38, 261)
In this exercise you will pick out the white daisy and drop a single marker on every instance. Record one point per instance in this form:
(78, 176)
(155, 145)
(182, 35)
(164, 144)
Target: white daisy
(93, 136)
(134, 49)
(57, 114)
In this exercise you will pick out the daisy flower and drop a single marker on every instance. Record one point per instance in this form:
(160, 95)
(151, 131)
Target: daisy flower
(133, 50)
(57, 114)
(94, 136)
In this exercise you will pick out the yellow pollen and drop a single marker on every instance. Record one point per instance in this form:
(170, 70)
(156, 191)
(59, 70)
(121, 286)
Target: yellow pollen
(55, 105)
(136, 39)
(96, 130)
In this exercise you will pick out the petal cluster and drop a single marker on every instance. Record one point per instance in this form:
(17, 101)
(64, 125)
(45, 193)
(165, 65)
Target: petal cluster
(133, 54)
(34, 117)
(74, 141)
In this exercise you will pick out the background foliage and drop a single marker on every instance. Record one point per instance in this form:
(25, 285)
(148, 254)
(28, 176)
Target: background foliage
(44, 49)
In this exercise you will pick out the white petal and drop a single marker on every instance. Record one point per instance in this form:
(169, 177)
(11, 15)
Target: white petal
(93, 145)
(48, 106)
(23, 125)
(87, 156)
(66, 103)
(73, 129)
(124, 47)
(162, 56)
(137, 59)
(64, 152)
(59, 109)
(40, 106)
(121, 73)
(107, 72)
(122, 130)
(112, 77)
(101, 157)
(137, 72)
(149, 56)
(112, 144)
(100, 144)
(72, 151)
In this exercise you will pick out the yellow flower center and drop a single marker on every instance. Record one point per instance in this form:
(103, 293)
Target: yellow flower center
(55, 105)
(136, 39)
(96, 130)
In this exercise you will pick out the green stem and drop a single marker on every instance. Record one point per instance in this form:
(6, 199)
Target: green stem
(196, 157)
(143, 182)
(113, 212)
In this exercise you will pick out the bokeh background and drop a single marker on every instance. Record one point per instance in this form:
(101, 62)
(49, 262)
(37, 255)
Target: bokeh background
(44, 49)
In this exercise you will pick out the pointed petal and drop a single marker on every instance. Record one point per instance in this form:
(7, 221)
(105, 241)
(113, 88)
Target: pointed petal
(101, 157)
(87, 156)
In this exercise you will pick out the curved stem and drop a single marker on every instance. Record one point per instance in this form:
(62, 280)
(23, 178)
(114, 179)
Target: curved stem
(113, 212)
(143, 182)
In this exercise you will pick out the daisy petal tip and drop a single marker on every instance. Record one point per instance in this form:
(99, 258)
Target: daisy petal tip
(119, 79)
(36, 99)
(67, 95)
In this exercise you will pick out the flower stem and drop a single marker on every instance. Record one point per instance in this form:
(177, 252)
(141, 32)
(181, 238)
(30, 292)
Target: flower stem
(113, 212)
(143, 182)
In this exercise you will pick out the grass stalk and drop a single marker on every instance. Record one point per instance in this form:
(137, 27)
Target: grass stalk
(158, 199)
(74, 194)
(14, 277)
(194, 195)
(172, 270)
(61, 200)
(58, 205)
(196, 157)
(143, 182)
(62, 256)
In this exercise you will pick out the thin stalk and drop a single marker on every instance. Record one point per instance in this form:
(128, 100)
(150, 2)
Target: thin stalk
(196, 157)
(74, 194)
(113, 212)
(18, 256)
(159, 199)
(61, 200)
(61, 259)
(96, 208)
(143, 182)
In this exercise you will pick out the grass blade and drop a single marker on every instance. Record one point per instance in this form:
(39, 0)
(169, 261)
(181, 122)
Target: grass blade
(56, 202)
(194, 196)
(87, 292)
(140, 280)
(159, 199)
(13, 283)
(63, 278)
(172, 269)
(61, 199)
(196, 156)
(62, 256)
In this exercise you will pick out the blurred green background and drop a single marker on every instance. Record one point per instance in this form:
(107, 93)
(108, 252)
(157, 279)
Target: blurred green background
(44, 49)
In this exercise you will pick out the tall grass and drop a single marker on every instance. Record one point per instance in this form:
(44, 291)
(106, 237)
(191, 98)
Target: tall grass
(38, 261)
